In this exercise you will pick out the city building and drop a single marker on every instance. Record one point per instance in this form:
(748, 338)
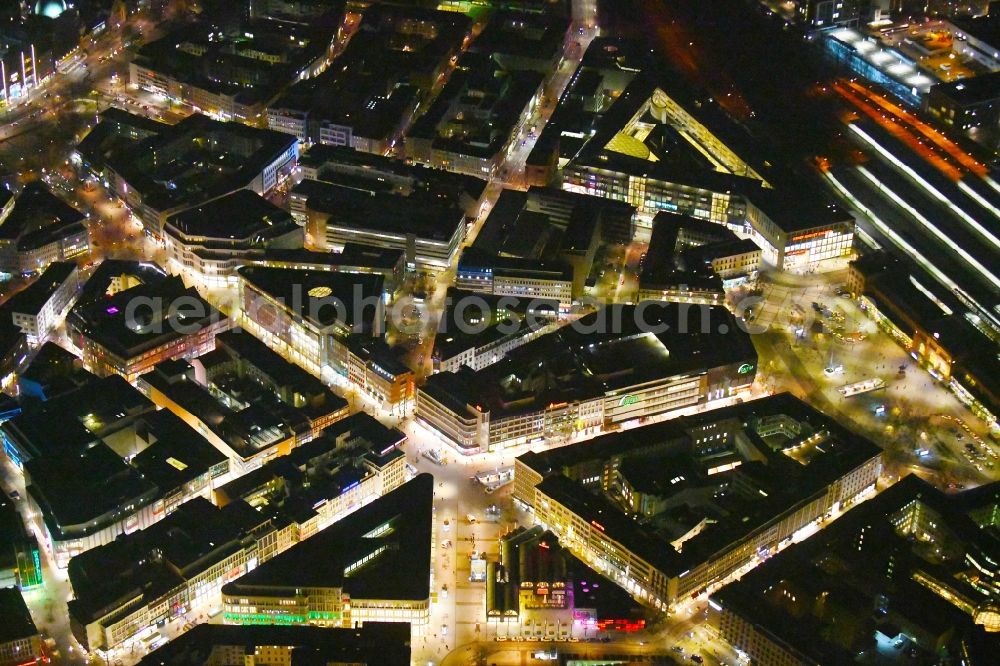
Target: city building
(824, 13)
(20, 559)
(180, 564)
(100, 461)
(13, 351)
(673, 509)
(123, 589)
(159, 170)
(906, 575)
(692, 260)
(967, 103)
(385, 74)
(355, 198)
(515, 277)
(352, 463)
(375, 644)
(607, 67)
(37, 228)
(52, 372)
(38, 307)
(129, 332)
(539, 590)
(523, 41)
(617, 366)
(477, 329)
(308, 316)
(353, 258)
(375, 368)
(372, 566)
(632, 133)
(247, 401)
(477, 119)
(553, 226)
(880, 64)
(232, 72)
(215, 238)
(20, 642)
(927, 321)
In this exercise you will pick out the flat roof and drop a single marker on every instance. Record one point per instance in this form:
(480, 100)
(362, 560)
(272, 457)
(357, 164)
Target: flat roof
(591, 364)
(974, 90)
(17, 622)
(168, 310)
(777, 466)
(244, 214)
(314, 295)
(353, 255)
(399, 569)
(177, 455)
(220, 157)
(373, 644)
(383, 211)
(78, 493)
(39, 217)
(68, 423)
(33, 298)
(187, 542)
(853, 576)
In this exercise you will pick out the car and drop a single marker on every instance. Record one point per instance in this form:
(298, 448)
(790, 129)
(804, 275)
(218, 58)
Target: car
(697, 658)
(14, 495)
(678, 649)
(444, 629)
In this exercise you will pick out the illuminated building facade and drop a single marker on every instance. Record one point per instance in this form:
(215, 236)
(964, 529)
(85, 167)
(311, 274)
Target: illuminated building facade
(291, 406)
(928, 322)
(135, 329)
(920, 567)
(375, 644)
(37, 308)
(630, 374)
(159, 170)
(372, 566)
(20, 642)
(181, 563)
(777, 464)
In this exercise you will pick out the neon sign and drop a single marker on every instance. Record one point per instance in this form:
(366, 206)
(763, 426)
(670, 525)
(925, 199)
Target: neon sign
(745, 369)
(628, 400)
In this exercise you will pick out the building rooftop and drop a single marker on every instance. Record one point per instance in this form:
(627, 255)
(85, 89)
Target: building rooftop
(518, 38)
(374, 644)
(377, 172)
(176, 454)
(353, 255)
(478, 109)
(394, 531)
(146, 564)
(575, 363)
(786, 453)
(251, 61)
(38, 218)
(242, 215)
(33, 298)
(220, 157)
(383, 209)
(974, 90)
(322, 297)
(144, 316)
(16, 619)
(69, 423)
(908, 562)
(320, 469)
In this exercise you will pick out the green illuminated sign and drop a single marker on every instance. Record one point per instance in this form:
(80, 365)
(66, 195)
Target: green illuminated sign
(628, 400)
(745, 369)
